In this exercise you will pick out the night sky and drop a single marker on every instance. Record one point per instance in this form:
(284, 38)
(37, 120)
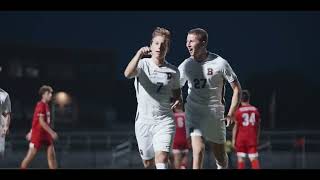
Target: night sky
(268, 51)
(251, 41)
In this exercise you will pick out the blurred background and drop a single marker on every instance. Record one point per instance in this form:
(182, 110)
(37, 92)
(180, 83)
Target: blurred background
(82, 55)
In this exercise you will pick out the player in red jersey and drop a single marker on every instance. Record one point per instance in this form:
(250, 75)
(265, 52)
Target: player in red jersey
(245, 136)
(181, 146)
(41, 132)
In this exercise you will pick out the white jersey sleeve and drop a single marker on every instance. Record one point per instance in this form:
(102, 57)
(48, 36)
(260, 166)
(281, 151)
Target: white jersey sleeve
(228, 73)
(183, 78)
(176, 83)
(7, 107)
(5, 103)
(140, 66)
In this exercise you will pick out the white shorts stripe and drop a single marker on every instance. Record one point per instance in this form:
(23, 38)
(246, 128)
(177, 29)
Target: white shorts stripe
(176, 151)
(253, 155)
(241, 154)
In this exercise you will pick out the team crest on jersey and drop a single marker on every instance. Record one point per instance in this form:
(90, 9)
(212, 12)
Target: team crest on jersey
(210, 71)
(169, 75)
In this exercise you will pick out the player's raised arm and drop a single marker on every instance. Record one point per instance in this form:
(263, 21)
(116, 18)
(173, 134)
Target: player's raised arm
(131, 69)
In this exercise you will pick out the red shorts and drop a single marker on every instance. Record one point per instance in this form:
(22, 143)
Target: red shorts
(242, 150)
(183, 145)
(37, 140)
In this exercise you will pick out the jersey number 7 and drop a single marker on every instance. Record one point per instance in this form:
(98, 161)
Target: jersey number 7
(160, 85)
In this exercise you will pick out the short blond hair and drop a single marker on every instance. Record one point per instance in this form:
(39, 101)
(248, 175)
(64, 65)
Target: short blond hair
(45, 88)
(159, 31)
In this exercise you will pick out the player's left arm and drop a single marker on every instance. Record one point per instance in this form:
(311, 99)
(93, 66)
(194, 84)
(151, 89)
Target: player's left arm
(235, 101)
(28, 136)
(7, 116)
(177, 99)
(7, 119)
(176, 90)
(231, 77)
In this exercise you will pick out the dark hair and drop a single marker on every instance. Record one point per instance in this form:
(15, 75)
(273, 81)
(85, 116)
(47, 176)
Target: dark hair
(45, 88)
(245, 96)
(201, 33)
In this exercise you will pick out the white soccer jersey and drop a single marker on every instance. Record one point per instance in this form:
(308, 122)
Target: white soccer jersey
(206, 80)
(5, 104)
(154, 87)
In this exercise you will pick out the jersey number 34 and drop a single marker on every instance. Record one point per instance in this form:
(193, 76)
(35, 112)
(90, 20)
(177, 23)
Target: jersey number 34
(248, 119)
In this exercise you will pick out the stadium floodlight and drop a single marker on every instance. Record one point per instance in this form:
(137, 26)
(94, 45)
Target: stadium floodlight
(62, 98)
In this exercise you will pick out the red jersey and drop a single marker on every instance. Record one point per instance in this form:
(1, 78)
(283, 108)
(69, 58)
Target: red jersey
(180, 138)
(248, 119)
(37, 130)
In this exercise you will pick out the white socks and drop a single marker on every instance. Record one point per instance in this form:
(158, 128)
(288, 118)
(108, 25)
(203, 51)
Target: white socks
(162, 165)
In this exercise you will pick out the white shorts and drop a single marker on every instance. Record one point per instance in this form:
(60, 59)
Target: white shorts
(178, 151)
(2, 144)
(206, 122)
(250, 155)
(154, 137)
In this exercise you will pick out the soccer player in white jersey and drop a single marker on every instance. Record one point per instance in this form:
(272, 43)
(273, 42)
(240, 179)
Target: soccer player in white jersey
(5, 117)
(156, 82)
(207, 74)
